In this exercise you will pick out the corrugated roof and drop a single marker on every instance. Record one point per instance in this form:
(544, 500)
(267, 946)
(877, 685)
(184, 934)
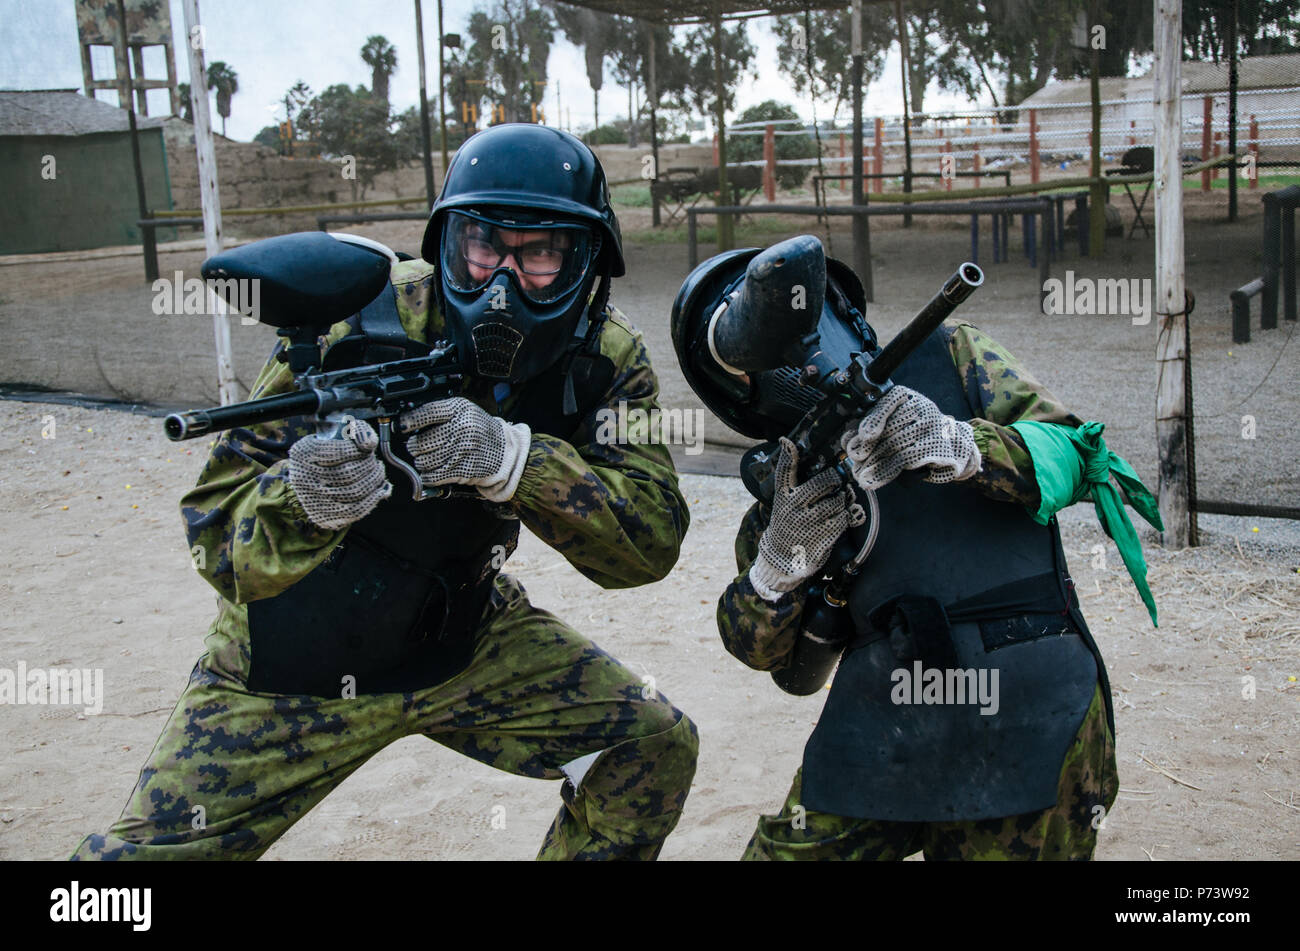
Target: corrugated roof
(62, 112)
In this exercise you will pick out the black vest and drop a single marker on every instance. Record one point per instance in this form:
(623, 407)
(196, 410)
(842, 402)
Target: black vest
(971, 668)
(398, 604)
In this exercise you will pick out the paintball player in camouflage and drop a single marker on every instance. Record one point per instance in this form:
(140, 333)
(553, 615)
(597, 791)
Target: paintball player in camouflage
(970, 715)
(350, 617)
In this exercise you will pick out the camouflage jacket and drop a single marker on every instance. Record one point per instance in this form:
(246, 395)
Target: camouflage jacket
(762, 634)
(614, 511)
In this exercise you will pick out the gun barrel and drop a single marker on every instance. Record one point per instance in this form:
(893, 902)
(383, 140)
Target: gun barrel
(199, 422)
(955, 290)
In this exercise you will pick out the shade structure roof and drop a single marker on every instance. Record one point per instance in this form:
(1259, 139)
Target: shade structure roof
(701, 11)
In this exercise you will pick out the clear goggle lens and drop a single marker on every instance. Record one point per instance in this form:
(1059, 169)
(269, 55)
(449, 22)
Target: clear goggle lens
(549, 260)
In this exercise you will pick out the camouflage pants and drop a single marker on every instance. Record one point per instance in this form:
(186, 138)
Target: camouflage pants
(1089, 783)
(536, 697)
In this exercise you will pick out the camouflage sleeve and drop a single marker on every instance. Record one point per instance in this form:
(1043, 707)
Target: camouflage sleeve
(612, 509)
(1002, 392)
(248, 534)
(758, 633)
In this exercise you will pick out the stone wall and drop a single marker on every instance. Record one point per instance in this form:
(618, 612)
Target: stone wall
(254, 176)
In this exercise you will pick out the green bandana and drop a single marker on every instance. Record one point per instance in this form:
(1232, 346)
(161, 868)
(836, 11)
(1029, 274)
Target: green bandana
(1069, 463)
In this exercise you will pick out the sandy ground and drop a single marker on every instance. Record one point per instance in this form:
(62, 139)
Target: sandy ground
(95, 574)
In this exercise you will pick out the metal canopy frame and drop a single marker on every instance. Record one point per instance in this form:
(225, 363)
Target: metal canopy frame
(695, 12)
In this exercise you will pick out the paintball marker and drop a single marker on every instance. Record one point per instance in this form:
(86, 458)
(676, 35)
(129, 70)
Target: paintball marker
(745, 336)
(309, 282)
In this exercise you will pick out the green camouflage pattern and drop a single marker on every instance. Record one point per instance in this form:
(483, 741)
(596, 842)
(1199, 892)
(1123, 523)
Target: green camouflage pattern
(762, 635)
(1088, 786)
(1001, 392)
(536, 695)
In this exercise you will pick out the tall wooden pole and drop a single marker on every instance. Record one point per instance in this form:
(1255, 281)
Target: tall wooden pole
(424, 109)
(1097, 191)
(907, 109)
(1172, 429)
(861, 232)
(209, 194)
(652, 91)
(1232, 113)
(726, 236)
(442, 96)
(124, 84)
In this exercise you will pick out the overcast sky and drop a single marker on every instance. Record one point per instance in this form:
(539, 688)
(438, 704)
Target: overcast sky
(273, 43)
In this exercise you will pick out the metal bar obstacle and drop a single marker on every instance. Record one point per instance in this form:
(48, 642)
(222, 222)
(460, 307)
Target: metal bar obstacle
(1279, 276)
(1030, 208)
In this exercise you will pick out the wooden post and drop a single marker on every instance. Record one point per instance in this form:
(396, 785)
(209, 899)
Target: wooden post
(1132, 132)
(861, 224)
(1098, 192)
(769, 161)
(1207, 125)
(947, 148)
(725, 224)
(878, 154)
(976, 164)
(1254, 151)
(210, 197)
(1173, 425)
(425, 136)
(1218, 150)
(907, 108)
(1033, 146)
(652, 90)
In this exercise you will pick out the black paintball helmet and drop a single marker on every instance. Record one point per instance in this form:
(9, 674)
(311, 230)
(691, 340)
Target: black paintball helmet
(767, 401)
(520, 234)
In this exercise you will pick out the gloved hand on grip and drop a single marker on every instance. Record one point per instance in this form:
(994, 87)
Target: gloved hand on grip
(455, 441)
(908, 431)
(807, 520)
(338, 481)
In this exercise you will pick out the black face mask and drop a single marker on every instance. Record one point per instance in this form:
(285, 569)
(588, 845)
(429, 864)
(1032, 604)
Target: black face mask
(514, 289)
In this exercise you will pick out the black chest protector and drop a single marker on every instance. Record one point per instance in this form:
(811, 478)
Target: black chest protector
(971, 669)
(397, 605)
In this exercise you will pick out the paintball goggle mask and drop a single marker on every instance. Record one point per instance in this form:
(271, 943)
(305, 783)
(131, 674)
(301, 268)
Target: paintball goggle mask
(515, 284)
(744, 322)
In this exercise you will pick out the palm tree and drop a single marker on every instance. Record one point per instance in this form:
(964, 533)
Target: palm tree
(224, 80)
(381, 56)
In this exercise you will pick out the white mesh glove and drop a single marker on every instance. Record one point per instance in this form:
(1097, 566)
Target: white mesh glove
(807, 520)
(907, 431)
(456, 441)
(338, 481)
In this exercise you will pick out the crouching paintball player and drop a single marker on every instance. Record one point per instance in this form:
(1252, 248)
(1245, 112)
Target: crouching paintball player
(905, 528)
(355, 612)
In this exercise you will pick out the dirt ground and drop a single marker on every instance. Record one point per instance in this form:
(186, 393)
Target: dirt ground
(95, 572)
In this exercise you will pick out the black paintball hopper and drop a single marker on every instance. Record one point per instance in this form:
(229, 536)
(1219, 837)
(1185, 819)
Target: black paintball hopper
(308, 279)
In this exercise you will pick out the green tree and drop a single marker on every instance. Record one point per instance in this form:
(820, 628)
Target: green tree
(510, 45)
(690, 85)
(823, 38)
(270, 137)
(226, 82)
(594, 32)
(747, 148)
(381, 56)
(187, 104)
(352, 126)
